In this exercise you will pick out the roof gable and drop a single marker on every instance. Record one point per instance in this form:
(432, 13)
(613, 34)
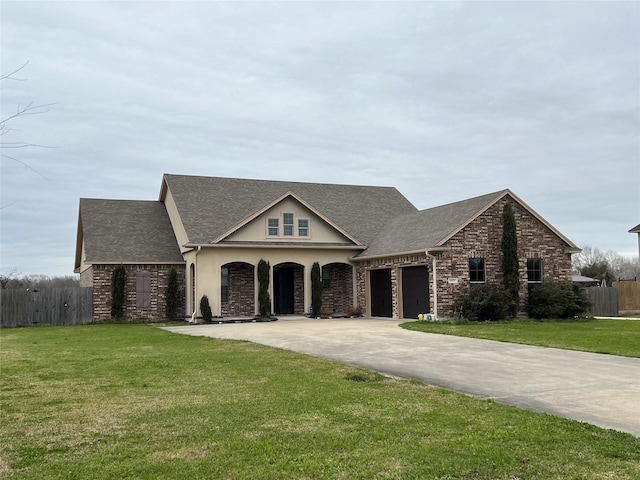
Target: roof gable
(125, 231)
(320, 229)
(433, 227)
(211, 207)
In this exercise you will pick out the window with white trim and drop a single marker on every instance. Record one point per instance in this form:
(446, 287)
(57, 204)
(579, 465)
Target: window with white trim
(303, 227)
(273, 227)
(287, 224)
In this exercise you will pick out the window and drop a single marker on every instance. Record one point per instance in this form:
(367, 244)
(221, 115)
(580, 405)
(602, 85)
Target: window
(224, 284)
(326, 277)
(476, 270)
(273, 227)
(534, 270)
(303, 227)
(143, 290)
(287, 223)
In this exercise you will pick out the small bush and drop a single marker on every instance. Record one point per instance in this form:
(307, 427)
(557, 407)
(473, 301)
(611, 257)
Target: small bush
(483, 302)
(205, 309)
(557, 300)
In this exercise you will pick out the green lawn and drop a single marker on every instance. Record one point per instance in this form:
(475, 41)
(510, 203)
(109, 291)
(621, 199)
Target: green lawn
(134, 401)
(616, 337)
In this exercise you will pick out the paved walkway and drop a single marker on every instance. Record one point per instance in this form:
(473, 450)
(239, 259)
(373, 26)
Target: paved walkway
(600, 389)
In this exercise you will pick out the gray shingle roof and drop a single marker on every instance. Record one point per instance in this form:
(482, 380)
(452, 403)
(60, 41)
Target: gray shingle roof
(127, 231)
(427, 228)
(211, 206)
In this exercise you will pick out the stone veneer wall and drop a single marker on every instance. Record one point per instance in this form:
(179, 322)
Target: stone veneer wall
(101, 279)
(339, 296)
(241, 291)
(480, 239)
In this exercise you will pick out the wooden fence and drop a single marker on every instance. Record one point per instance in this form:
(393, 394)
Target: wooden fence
(50, 306)
(628, 297)
(604, 301)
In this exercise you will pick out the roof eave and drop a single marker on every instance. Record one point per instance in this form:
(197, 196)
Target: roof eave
(400, 254)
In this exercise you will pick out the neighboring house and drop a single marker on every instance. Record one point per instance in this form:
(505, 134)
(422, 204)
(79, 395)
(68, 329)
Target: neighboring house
(376, 250)
(636, 229)
(583, 281)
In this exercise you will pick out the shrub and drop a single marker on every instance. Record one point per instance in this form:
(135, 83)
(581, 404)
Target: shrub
(118, 284)
(264, 300)
(510, 265)
(316, 290)
(557, 300)
(171, 294)
(205, 309)
(484, 301)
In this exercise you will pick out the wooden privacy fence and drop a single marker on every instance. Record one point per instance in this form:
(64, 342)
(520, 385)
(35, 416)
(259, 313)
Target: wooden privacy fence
(628, 296)
(49, 306)
(604, 301)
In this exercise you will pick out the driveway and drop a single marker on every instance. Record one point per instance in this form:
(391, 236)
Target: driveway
(600, 389)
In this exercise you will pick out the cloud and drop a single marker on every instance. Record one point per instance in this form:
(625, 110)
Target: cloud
(442, 100)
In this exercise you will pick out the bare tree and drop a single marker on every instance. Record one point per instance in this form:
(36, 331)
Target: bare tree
(7, 276)
(20, 111)
(593, 261)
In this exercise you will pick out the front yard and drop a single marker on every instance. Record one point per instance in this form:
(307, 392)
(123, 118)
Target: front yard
(615, 337)
(134, 401)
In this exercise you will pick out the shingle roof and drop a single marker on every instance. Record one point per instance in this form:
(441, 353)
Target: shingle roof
(427, 228)
(128, 231)
(635, 229)
(211, 206)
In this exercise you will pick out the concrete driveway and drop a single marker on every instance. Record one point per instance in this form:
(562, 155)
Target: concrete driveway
(600, 389)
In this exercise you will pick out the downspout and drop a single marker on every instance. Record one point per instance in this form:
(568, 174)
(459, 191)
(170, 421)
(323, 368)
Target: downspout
(434, 283)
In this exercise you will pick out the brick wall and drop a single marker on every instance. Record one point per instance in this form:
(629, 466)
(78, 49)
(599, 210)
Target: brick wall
(298, 290)
(480, 239)
(241, 291)
(159, 274)
(339, 296)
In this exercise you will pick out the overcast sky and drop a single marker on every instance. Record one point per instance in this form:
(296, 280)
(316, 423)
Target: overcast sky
(441, 100)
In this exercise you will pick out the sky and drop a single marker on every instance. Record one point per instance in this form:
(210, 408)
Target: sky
(442, 100)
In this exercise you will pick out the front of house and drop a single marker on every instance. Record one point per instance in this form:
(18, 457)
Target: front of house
(377, 252)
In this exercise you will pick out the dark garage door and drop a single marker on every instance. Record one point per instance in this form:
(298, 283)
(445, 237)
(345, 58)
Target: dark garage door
(415, 291)
(381, 293)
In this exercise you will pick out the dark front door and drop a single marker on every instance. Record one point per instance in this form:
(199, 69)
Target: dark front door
(283, 290)
(381, 293)
(415, 291)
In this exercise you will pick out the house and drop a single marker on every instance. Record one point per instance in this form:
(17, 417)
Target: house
(377, 250)
(636, 229)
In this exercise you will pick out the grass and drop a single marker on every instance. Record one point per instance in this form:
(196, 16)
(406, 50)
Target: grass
(615, 337)
(134, 401)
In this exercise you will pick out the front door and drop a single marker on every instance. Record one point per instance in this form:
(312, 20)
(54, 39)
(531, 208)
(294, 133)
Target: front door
(283, 291)
(381, 293)
(415, 291)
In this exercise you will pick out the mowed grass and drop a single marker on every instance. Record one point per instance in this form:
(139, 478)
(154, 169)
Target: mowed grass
(615, 337)
(134, 401)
